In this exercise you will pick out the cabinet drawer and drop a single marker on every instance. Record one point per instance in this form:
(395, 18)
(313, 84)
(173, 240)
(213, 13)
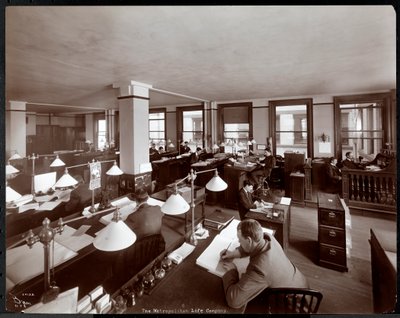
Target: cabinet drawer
(331, 218)
(332, 254)
(332, 236)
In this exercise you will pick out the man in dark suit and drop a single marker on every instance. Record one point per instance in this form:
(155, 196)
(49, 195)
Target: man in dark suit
(246, 199)
(334, 176)
(184, 148)
(349, 163)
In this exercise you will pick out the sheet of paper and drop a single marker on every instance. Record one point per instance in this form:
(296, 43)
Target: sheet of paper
(154, 202)
(210, 258)
(48, 206)
(24, 263)
(23, 200)
(43, 182)
(124, 211)
(69, 240)
(65, 303)
(122, 202)
(285, 200)
(28, 206)
(82, 230)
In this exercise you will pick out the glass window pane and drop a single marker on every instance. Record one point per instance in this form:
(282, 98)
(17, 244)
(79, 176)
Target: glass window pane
(289, 141)
(193, 120)
(156, 125)
(236, 127)
(102, 125)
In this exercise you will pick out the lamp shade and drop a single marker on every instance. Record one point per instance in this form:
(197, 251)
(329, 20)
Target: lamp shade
(253, 141)
(216, 184)
(114, 170)
(10, 170)
(249, 143)
(15, 156)
(57, 162)
(174, 205)
(114, 237)
(11, 195)
(215, 147)
(65, 181)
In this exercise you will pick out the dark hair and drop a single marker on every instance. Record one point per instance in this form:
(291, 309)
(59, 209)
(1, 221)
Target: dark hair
(142, 196)
(347, 154)
(198, 149)
(247, 182)
(251, 228)
(331, 159)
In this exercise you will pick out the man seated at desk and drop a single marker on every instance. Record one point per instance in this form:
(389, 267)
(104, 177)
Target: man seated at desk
(184, 148)
(246, 201)
(334, 176)
(349, 163)
(268, 267)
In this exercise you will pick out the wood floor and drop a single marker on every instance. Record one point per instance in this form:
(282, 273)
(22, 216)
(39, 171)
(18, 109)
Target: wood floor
(345, 293)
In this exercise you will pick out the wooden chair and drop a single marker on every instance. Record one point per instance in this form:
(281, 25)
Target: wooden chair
(286, 301)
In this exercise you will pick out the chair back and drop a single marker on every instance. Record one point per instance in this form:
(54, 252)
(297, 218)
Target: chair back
(292, 300)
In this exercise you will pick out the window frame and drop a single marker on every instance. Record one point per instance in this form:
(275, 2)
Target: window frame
(290, 102)
(221, 121)
(380, 98)
(154, 111)
(179, 122)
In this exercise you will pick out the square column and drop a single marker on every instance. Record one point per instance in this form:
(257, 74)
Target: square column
(16, 128)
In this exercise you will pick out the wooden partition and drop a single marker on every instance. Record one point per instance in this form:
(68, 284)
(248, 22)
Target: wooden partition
(373, 191)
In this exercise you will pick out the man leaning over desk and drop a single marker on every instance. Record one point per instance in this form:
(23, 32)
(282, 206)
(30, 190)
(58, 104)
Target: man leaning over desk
(268, 267)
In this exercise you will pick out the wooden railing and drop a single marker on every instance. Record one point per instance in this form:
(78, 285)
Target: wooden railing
(373, 191)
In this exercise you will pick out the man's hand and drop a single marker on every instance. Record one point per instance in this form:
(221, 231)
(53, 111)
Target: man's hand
(227, 255)
(228, 265)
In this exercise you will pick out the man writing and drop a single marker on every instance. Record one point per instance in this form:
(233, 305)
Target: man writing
(268, 267)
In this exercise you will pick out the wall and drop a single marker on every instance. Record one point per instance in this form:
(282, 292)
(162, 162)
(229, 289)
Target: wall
(89, 127)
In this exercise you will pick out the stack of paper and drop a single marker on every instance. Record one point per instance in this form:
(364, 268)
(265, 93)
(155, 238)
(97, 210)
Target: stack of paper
(181, 253)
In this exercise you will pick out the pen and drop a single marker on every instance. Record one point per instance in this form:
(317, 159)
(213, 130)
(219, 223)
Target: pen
(228, 248)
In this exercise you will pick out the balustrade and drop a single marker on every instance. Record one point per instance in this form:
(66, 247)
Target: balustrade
(370, 190)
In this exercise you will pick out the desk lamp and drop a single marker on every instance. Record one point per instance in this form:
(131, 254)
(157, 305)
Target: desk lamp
(11, 194)
(10, 169)
(66, 181)
(15, 156)
(114, 237)
(33, 157)
(175, 204)
(57, 162)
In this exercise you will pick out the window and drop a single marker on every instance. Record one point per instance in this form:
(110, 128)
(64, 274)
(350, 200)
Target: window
(360, 124)
(193, 128)
(292, 126)
(236, 126)
(157, 127)
(101, 133)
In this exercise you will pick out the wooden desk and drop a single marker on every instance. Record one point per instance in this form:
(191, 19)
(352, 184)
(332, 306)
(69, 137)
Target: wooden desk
(281, 224)
(162, 196)
(188, 288)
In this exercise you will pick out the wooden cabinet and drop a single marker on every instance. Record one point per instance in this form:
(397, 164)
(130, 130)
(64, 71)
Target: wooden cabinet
(331, 232)
(293, 162)
(297, 186)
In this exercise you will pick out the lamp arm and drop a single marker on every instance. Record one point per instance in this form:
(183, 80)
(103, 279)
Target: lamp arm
(203, 171)
(86, 164)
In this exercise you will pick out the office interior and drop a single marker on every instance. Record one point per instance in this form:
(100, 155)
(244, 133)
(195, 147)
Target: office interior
(103, 84)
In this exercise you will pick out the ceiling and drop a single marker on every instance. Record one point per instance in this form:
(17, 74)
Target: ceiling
(62, 56)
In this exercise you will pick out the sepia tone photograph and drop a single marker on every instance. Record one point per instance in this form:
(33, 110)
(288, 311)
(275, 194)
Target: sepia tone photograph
(200, 160)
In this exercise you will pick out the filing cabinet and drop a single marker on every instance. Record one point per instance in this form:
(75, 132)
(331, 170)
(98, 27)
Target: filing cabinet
(331, 232)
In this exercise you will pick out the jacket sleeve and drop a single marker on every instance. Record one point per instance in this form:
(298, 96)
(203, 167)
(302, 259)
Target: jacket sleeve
(238, 292)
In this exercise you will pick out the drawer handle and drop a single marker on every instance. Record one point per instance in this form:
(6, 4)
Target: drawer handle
(332, 215)
(332, 252)
(332, 233)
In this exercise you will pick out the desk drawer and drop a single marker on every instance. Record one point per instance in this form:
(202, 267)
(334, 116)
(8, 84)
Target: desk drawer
(332, 236)
(332, 254)
(331, 218)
